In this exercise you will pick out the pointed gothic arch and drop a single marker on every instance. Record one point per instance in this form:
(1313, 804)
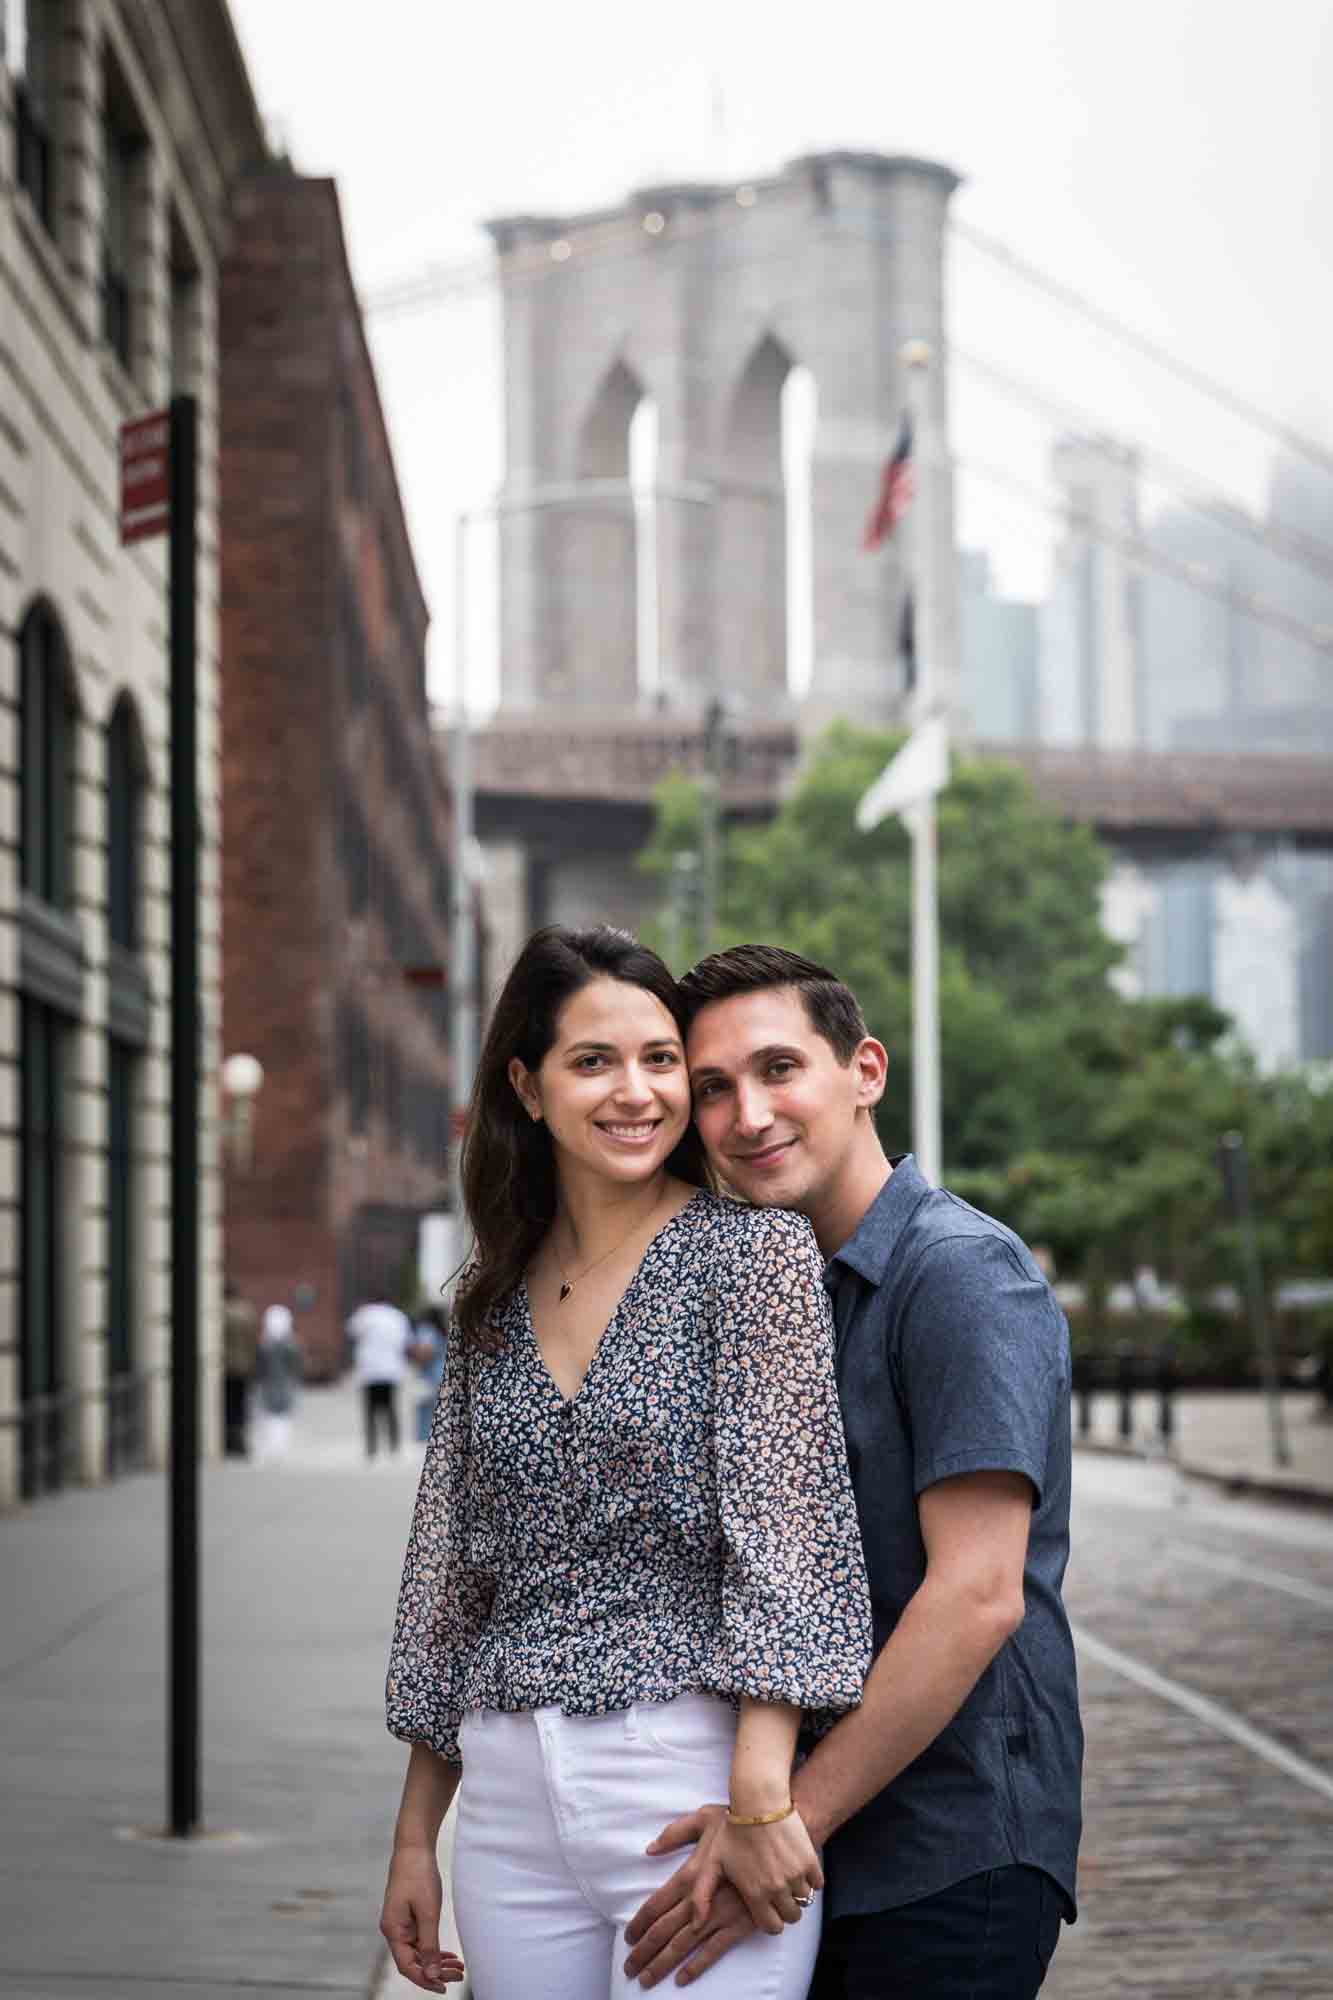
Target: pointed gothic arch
(752, 599)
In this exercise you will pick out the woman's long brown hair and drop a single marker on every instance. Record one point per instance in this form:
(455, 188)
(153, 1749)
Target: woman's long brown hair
(509, 1180)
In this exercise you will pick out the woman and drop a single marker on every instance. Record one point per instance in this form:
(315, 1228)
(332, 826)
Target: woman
(634, 1560)
(277, 1373)
(430, 1344)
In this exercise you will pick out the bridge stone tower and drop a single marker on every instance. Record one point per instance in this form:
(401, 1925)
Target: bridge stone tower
(702, 299)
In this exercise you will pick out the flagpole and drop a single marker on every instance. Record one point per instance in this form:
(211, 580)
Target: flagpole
(920, 818)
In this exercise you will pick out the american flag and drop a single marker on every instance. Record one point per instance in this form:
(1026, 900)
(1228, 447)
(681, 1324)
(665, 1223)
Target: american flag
(896, 487)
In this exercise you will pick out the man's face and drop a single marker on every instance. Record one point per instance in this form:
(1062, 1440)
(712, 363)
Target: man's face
(775, 1108)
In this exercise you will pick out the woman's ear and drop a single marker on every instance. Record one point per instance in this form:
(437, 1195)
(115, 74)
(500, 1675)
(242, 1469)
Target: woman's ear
(525, 1089)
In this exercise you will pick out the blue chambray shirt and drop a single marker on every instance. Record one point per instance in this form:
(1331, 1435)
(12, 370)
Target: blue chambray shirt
(953, 1357)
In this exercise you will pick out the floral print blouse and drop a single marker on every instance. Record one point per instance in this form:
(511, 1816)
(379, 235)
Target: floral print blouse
(685, 1522)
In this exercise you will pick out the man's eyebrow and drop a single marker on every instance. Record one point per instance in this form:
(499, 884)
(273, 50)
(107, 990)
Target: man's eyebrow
(755, 1056)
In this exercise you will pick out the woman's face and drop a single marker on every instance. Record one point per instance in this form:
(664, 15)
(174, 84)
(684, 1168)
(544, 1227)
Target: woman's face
(612, 1087)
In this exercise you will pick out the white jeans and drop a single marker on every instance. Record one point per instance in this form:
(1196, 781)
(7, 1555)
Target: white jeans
(554, 1813)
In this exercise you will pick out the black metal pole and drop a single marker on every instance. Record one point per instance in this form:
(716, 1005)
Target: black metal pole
(1233, 1161)
(183, 1522)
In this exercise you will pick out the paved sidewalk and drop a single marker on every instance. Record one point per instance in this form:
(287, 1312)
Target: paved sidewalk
(300, 1569)
(1223, 1436)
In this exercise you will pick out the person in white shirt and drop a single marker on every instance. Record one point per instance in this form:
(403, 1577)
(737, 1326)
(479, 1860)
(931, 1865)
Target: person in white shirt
(381, 1336)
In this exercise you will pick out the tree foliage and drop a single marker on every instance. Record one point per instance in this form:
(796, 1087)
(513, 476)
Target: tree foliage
(1088, 1120)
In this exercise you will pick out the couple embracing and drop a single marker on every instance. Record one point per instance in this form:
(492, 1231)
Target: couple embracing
(733, 1583)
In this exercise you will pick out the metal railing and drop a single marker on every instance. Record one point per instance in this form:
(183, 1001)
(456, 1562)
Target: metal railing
(50, 1432)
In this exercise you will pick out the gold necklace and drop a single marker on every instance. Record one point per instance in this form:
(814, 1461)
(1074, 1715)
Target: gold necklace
(567, 1283)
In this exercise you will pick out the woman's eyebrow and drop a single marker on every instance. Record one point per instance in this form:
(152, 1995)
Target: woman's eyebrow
(610, 1048)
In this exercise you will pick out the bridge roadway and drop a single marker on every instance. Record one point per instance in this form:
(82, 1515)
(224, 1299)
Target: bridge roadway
(526, 762)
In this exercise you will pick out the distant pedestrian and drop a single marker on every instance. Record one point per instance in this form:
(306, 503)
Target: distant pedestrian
(240, 1351)
(277, 1374)
(382, 1337)
(430, 1346)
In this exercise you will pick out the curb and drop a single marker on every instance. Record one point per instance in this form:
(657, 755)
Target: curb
(1274, 1484)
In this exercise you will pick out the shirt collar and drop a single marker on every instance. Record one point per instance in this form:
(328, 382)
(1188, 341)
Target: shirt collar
(872, 1243)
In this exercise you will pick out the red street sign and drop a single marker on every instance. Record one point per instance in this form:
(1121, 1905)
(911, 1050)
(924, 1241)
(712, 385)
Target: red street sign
(145, 477)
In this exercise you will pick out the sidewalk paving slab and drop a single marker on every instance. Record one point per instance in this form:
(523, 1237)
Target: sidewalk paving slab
(300, 1565)
(1222, 1436)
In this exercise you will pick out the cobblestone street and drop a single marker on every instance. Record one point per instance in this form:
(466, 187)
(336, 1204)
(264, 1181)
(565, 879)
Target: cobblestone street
(1205, 1641)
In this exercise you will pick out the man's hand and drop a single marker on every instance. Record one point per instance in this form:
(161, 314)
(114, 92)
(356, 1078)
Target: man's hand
(663, 1931)
(410, 1921)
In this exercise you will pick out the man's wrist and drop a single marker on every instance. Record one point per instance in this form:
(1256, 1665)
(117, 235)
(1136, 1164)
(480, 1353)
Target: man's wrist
(815, 1817)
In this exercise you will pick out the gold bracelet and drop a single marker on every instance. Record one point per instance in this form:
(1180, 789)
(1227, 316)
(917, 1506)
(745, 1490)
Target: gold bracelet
(761, 1819)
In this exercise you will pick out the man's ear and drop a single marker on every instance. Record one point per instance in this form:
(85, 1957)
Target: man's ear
(525, 1088)
(871, 1063)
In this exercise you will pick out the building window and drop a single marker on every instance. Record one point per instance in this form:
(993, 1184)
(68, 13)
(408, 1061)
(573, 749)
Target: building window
(47, 763)
(122, 144)
(124, 787)
(47, 1433)
(29, 52)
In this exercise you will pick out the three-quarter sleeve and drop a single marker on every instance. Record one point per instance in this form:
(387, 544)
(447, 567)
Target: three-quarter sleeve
(795, 1605)
(443, 1602)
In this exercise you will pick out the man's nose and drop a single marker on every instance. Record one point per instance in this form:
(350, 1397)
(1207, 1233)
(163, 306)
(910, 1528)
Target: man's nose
(752, 1109)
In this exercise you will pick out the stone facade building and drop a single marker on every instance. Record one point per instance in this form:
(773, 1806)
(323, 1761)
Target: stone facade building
(122, 129)
(335, 877)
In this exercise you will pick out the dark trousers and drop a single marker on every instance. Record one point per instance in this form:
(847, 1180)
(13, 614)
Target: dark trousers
(989, 1937)
(379, 1403)
(235, 1415)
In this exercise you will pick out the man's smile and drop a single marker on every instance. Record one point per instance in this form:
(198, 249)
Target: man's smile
(767, 1156)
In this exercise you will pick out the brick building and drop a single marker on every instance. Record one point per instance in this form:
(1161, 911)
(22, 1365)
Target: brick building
(122, 129)
(335, 875)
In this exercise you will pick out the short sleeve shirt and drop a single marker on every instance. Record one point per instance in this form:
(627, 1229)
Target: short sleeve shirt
(953, 1357)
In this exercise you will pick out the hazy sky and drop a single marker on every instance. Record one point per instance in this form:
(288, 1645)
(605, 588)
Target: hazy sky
(1169, 158)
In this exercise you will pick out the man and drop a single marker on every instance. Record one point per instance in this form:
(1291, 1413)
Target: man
(240, 1351)
(948, 1803)
(381, 1336)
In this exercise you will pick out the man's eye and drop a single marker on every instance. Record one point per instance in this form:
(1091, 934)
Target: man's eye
(782, 1067)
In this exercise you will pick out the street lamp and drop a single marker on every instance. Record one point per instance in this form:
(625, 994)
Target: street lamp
(242, 1081)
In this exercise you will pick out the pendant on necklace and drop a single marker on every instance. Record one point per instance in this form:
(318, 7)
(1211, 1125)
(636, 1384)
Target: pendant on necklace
(565, 1290)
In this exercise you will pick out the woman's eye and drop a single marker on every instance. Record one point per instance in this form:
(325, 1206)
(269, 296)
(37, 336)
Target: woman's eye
(781, 1068)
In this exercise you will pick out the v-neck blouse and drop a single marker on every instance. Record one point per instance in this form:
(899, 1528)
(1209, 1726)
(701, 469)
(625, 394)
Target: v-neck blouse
(683, 1523)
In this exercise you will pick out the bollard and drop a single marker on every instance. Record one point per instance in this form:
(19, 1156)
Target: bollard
(1124, 1375)
(1083, 1371)
(1166, 1388)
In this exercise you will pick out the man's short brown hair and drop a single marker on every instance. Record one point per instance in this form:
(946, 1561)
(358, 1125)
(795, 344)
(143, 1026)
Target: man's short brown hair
(831, 1008)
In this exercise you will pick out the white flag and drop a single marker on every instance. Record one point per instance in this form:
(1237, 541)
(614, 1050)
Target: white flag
(920, 769)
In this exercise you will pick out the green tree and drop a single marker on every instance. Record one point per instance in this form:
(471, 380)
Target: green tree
(1027, 1014)
(1087, 1120)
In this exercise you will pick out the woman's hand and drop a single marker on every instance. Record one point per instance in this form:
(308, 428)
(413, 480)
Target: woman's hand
(410, 1920)
(773, 1869)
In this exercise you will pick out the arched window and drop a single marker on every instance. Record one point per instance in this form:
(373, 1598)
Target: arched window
(124, 803)
(47, 759)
